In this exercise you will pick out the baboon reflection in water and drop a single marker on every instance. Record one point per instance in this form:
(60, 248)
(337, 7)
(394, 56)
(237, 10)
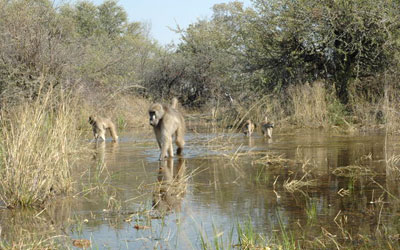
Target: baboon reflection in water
(171, 186)
(100, 125)
(99, 152)
(167, 122)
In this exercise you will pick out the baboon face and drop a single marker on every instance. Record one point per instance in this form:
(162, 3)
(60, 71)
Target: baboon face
(91, 120)
(156, 112)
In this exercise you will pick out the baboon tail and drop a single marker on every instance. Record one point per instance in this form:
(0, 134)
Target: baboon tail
(174, 102)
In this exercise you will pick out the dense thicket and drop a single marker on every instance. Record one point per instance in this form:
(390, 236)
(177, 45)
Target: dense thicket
(79, 46)
(279, 43)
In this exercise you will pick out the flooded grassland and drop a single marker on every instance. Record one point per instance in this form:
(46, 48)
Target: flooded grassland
(301, 189)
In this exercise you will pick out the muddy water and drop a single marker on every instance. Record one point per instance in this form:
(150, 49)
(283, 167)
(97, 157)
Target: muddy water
(130, 200)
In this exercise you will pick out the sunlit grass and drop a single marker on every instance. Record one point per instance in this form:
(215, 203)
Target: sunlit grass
(38, 142)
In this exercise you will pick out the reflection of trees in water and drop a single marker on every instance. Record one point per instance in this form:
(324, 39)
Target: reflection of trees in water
(171, 186)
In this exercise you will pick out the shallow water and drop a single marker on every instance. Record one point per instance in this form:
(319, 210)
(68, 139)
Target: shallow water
(212, 189)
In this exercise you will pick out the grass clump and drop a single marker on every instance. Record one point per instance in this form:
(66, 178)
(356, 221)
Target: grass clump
(38, 140)
(296, 185)
(353, 171)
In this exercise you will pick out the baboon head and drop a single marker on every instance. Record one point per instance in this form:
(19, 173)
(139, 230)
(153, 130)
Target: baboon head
(156, 113)
(92, 120)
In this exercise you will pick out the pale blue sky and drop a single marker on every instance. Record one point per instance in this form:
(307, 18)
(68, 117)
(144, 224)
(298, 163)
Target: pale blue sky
(161, 14)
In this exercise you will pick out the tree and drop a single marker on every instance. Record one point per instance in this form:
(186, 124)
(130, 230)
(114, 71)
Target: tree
(86, 18)
(338, 40)
(112, 18)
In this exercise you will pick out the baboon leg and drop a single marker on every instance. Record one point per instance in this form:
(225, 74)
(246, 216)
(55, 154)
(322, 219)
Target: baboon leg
(269, 132)
(165, 144)
(170, 149)
(113, 132)
(180, 142)
(158, 137)
(95, 134)
(102, 134)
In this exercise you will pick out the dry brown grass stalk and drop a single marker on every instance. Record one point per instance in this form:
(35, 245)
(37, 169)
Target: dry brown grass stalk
(38, 142)
(296, 185)
(353, 171)
(271, 159)
(393, 163)
(309, 104)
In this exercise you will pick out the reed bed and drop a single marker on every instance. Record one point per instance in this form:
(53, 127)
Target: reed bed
(38, 144)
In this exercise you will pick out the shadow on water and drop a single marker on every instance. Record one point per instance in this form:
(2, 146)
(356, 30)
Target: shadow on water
(316, 185)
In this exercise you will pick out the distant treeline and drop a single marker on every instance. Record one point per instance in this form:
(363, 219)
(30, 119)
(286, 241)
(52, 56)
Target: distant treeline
(238, 55)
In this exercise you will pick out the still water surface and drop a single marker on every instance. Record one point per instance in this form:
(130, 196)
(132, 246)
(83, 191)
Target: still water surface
(208, 192)
(214, 188)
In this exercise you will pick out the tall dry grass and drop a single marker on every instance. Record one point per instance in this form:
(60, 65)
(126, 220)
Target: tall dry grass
(38, 142)
(316, 105)
(375, 103)
(310, 107)
(234, 116)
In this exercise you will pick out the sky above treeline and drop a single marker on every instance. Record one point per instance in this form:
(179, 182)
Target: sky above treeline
(162, 14)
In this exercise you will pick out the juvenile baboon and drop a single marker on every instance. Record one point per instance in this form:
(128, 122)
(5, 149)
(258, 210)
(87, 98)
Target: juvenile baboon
(248, 128)
(166, 122)
(266, 127)
(100, 124)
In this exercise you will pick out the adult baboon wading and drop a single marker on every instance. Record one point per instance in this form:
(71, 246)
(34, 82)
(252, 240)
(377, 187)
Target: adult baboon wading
(100, 125)
(167, 122)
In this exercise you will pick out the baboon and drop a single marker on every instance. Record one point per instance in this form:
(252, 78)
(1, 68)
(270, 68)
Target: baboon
(166, 122)
(99, 125)
(248, 128)
(266, 127)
